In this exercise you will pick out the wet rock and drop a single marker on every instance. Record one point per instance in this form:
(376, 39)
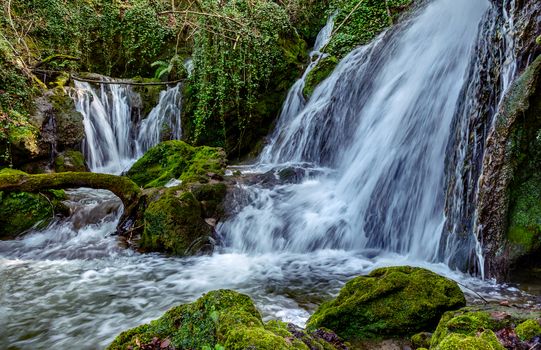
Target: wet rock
(389, 302)
(509, 189)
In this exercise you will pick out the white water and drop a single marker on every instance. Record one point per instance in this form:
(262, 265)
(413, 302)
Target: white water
(371, 145)
(115, 136)
(71, 286)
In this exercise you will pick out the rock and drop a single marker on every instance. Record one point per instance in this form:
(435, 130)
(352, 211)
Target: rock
(178, 160)
(221, 319)
(69, 122)
(389, 302)
(509, 203)
(421, 340)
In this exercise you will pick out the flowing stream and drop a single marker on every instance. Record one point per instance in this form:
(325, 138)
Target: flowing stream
(366, 188)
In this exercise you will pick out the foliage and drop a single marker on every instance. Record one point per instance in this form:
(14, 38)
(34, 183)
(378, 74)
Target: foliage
(528, 329)
(366, 21)
(233, 65)
(128, 35)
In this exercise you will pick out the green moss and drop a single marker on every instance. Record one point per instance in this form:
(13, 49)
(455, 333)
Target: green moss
(177, 159)
(528, 330)
(463, 323)
(487, 340)
(389, 302)
(22, 211)
(323, 69)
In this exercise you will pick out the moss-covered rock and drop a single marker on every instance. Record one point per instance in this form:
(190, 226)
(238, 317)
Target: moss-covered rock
(219, 319)
(463, 327)
(528, 329)
(175, 224)
(178, 160)
(20, 211)
(69, 131)
(389, 302)
(321, 71)
(421, 340)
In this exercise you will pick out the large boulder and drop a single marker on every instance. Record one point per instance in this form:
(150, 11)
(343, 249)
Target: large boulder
(221, 319)
(389, 302)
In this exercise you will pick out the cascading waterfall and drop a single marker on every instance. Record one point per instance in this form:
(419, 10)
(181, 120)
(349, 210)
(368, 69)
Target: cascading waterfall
(295, 100)
(381, 123)
(115, 135)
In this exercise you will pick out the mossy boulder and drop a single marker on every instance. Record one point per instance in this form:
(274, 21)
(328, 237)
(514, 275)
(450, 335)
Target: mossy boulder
(389, 302)
(528, 329)
(221, 319)
(21, 211)
(178, 160)
(175, 224)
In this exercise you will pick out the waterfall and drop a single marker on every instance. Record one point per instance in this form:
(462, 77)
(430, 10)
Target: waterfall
(115, 134)
(380, 126)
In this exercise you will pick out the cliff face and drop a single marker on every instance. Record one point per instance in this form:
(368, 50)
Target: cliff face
(509, 199)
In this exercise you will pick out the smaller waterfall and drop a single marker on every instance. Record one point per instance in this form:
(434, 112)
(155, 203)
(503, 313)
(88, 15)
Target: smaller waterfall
(295, 101)
(115, 134)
